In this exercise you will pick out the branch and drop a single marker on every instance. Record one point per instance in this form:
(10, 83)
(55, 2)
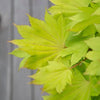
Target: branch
(78, 63)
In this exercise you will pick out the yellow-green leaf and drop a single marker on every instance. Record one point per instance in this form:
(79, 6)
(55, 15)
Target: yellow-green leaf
(51, 75)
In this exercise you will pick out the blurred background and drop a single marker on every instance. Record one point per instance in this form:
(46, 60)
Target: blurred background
(13, 84)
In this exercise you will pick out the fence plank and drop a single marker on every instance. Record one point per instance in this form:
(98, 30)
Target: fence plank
(5, 30)
(39, 7)
(21, 90)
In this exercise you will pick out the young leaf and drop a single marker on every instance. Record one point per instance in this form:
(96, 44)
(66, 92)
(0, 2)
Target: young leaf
(63, 9)
(78, 51)
(76, 3)
(19, 53)
(53, 74)
(45, 39)
(93, 68)
(94, 43)
(25, 31)
(38, 61)
(69, 7)
(85, 23)
(79, 12)
(22, 63)
(79, 90)
(89, 31)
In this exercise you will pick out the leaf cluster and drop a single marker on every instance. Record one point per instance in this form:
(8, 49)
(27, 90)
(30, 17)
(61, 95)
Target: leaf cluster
(64, 49)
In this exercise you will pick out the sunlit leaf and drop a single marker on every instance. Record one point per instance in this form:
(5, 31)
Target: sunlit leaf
(53, 74)
(79, 90)
(94, 67)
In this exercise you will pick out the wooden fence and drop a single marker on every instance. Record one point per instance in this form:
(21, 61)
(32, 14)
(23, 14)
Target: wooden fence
(13, 84)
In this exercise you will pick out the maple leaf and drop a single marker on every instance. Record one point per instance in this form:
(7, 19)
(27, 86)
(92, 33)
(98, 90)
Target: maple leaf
(54, 76)
(42, 40)
(88, 17)
(80, 89)
(19, 53)
(77, 50)
(79, 12)
(94, 67)
(68, 7)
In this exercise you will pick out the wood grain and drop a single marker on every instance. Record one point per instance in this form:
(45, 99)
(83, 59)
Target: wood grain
(5, 30)
(21, 88)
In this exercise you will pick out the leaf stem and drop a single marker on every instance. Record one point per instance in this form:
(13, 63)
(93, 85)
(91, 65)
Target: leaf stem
(78, 63)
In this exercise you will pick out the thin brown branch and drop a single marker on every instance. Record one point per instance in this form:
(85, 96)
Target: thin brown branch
(78, 63)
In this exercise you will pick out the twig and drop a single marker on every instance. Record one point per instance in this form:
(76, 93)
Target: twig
(78, 64)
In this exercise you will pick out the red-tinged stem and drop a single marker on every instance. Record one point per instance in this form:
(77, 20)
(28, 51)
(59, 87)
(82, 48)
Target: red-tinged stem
(77, 64)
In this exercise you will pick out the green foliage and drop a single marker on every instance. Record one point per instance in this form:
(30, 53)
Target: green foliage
(53, 74)
(64, 49)
(81, 89)
(77, 50)
(93, 68)
(19, 53)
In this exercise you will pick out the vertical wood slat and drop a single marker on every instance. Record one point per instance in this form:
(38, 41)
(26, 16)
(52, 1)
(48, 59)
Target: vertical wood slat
(21, 88)
(5, 30)
(39, 7)
(38, 10)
